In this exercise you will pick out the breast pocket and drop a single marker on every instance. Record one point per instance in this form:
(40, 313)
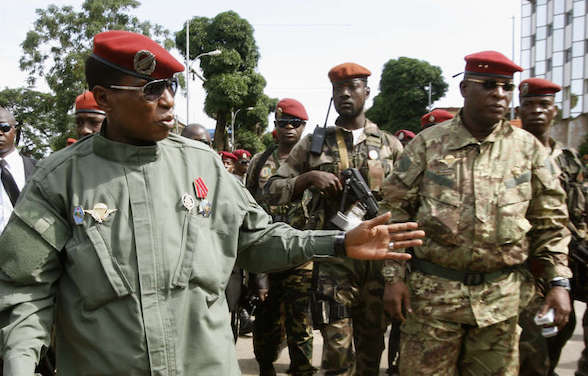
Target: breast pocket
(440, 207)
(512, 208)
(96, 273)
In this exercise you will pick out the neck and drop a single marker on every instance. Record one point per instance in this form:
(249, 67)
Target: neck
(351, 123)
(284, 149)
(479, 131)
(544, 139)
(4, 153)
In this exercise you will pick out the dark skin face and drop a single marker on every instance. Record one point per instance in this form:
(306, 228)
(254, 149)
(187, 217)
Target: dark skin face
(198, 133)
(349, 97)
(133, 120)
(536, 114)
(88, 123)
(229, 164)
(288, 136)
(483, 108)
(241, 167)
(7, 139)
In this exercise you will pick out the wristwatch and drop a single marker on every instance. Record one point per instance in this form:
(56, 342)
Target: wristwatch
(561, 282)
(339, 245)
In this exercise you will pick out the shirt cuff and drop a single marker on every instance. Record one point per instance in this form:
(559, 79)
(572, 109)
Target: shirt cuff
(323, 243)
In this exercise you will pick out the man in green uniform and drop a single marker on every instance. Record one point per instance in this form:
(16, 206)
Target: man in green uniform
(348, 290)
(487, 195)
(539, 355)
(286, 307)
(126, 239)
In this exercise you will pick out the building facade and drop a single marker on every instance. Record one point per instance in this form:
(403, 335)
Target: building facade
(554, 39)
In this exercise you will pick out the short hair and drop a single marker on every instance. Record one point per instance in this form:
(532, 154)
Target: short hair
(98, 73)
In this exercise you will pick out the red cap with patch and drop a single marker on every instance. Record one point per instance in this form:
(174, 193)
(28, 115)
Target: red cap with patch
(134, 54)
(71, 141)
(435, 117)
(537, 87)
(227, 155)
(404, 134)
(347, 71)
(490, 63)
(85, 102)
(242, 154)
(292, 107)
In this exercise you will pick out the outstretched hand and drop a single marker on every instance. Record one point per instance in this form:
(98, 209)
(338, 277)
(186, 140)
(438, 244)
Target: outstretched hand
(375, 240)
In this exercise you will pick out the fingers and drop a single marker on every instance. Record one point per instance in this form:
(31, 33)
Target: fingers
(407, 244)
(406, 302)
(380, 220)
(402, 227)
(407, 235)
(397, 256)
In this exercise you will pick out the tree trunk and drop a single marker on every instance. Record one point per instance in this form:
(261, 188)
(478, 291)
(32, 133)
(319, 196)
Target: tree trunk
(220, 139)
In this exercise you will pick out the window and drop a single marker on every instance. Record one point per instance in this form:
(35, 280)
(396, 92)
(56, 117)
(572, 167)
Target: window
(559, 21)
(579, 8)
(578, 29)
(540, 50)
(568, 55)
(540, 68)
(549, 65)
(526, 43)
(558, 40)
(578, 67)
(569, 18)
(541, 15)
(558, 58)
(578, 49)
(541, 32)
(526, 10)
(526, 58)
(559, 6)
(526, 26)
(557, 75)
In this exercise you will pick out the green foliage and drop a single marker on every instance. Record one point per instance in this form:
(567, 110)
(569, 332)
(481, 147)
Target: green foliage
(60, 42)
(268, 140)
(248, 140)
(35, 113)
(583, 149)
(231, 80)
(404, 95)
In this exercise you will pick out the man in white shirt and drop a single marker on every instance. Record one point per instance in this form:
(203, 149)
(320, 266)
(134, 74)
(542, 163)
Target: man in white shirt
(14, 168)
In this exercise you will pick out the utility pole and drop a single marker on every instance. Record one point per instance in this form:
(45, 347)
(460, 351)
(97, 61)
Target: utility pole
(187, 72)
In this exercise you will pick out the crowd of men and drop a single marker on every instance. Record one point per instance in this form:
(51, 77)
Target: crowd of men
(125, 253)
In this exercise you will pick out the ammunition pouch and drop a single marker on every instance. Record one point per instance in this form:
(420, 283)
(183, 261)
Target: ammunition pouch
(323, 306)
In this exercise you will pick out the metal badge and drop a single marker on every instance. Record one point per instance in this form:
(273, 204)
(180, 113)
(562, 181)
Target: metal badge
(373, 154)
(204, 208)
(188, 201)
(100, 212)
(78, 215)
(144, 62)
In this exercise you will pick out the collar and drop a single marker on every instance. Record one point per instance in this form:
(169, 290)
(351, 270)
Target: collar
(119, 152)
(12, 158)
(461, 137)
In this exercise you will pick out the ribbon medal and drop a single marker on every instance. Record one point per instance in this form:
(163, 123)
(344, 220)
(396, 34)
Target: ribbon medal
(204, 207)
(78, 215)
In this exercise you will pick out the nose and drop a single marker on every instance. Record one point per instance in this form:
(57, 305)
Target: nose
(167, 99)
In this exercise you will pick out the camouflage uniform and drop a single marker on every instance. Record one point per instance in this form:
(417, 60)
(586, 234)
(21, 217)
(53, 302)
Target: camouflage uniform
(286, 309)
(477, 201)
(357, 285)
(539, 355)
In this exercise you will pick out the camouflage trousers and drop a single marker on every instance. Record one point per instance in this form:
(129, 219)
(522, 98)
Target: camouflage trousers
(358, 285)
(539, 355)
(285, 313)
(439, 348)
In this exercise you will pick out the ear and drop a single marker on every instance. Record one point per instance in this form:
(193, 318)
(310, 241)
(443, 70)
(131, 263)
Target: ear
(367, 91)
(462, 87)
(103, 98)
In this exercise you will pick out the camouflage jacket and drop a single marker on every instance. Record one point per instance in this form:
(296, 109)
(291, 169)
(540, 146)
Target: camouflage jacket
(484, 205)
(373, 155)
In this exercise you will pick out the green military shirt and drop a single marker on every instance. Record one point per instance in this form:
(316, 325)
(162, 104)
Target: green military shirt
(136, 284)
(484, 205)
(373, 155)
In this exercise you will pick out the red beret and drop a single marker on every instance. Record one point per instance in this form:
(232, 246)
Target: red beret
(435, 117)
(242, 154)
(275, 134)
(227, 155)
(347, 71)
(71, 141)
(291, 107)
(134, 54)
(404, 134)
(537, 87)
(491, 63)
(85, 102)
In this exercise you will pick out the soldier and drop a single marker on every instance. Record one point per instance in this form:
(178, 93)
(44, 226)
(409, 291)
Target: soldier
(242, 163)
(89, 116)
(229, 160)
(126, 239)
(197, 132)
(404, 136)
(286, 307)
(435, 117)
(487, 195)
(348, 291)
(539, 355)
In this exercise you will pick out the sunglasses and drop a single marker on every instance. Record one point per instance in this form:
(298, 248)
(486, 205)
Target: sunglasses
(244, 161)
(493, 84)
(295, 123)
(5, 127)
(152, 90)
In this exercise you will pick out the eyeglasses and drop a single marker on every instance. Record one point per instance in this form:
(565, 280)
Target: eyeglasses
(493, 84)
(152, 90)
(295, 123)
(244, 161)
(5, 127)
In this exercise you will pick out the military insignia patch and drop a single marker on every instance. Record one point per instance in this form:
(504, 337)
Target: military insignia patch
(78, 215)
(100, 212)
(373, 154)
(265, 172)
(188, 201)
(144, 62)
(449, 160)
(524, 89)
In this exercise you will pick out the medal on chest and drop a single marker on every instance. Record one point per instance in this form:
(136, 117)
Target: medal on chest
(204, 207)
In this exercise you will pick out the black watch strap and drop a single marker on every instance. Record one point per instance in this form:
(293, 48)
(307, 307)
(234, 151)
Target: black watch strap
(339, 245)
(564, 282)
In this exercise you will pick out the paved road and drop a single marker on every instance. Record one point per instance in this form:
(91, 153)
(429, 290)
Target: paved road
(567, 365)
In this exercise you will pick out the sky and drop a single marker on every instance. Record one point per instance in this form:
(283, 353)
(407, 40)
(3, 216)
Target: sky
(299, 41)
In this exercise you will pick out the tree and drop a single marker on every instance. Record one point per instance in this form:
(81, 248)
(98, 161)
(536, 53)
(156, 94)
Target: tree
(35, 114)
(60, 42)
(404, 95)
(232, 82)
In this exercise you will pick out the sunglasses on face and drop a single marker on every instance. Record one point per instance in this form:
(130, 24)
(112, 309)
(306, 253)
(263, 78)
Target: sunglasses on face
(152, 90)
(5, 127)
(493, 84)
(295, 123)
(244, 162)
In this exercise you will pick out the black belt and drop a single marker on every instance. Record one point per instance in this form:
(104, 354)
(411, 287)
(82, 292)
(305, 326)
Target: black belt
(465, 277)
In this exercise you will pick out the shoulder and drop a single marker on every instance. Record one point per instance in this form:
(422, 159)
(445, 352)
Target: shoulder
(63, 157)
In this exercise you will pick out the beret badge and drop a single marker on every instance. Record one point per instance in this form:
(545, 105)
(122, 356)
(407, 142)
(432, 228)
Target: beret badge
(524, 89)
(144, 62)
(431, 118)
